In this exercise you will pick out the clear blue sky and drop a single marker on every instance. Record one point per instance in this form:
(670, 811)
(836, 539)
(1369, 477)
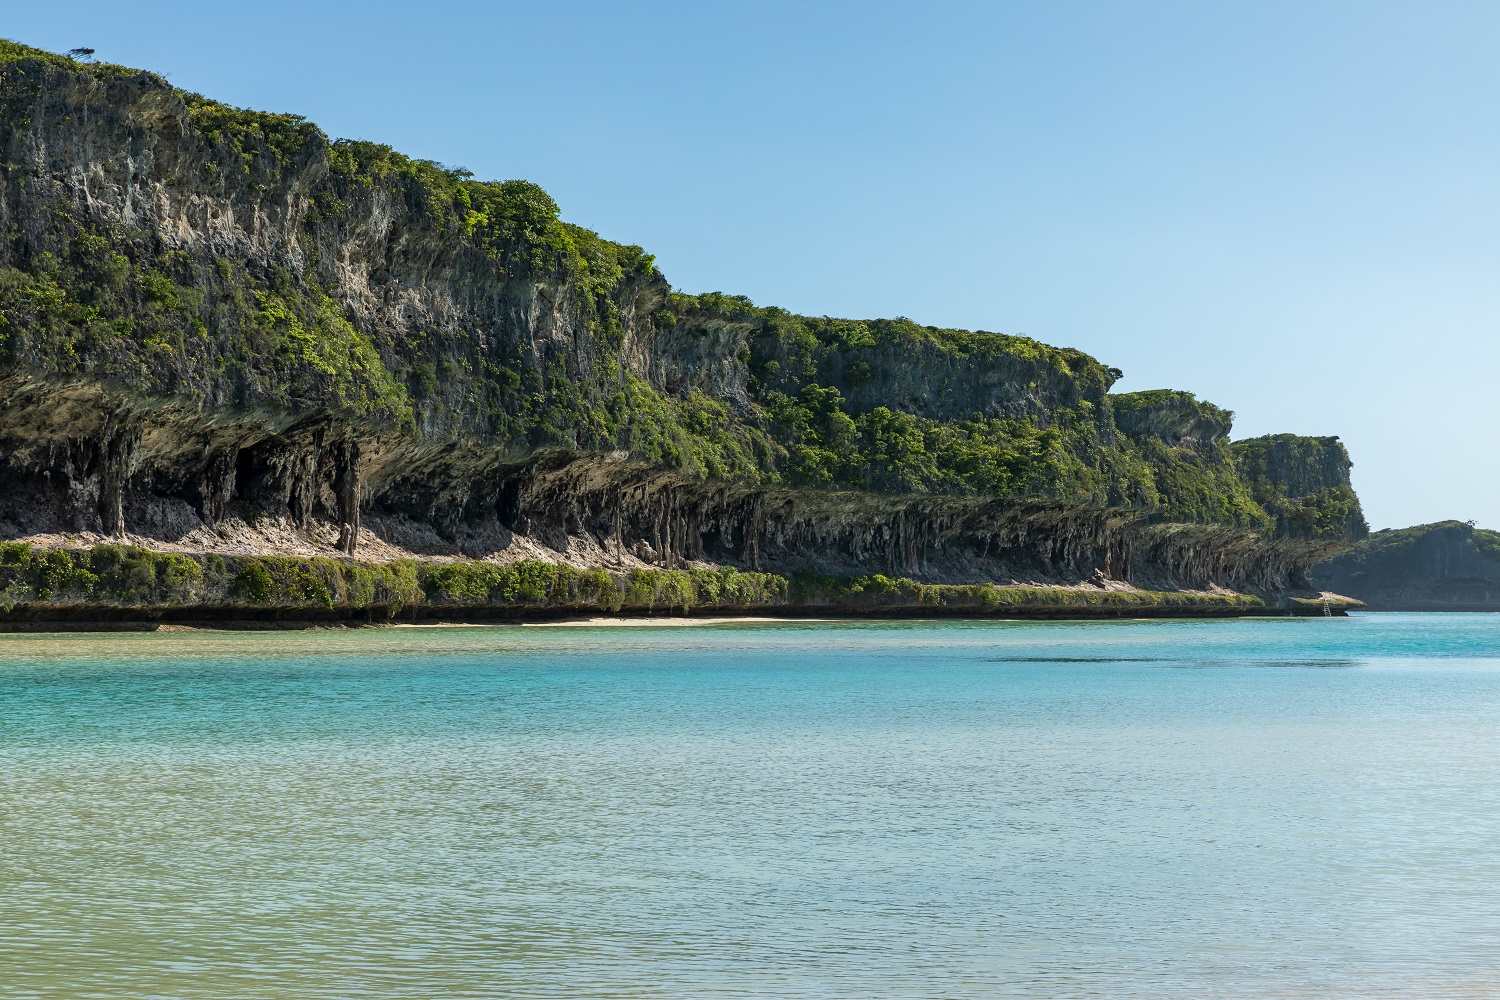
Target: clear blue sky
(1289, 208)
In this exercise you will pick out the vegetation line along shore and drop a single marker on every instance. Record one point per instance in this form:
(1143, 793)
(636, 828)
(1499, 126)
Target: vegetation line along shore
(126, 578)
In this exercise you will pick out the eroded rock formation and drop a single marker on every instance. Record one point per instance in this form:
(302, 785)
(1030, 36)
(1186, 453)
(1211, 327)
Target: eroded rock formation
(212, 320)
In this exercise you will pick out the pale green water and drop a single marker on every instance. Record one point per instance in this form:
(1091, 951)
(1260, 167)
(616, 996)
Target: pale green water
(1209, 809)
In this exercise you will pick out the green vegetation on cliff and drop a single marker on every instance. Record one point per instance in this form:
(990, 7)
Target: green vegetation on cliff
(1183, 443)
(1303, 484)
(344, 279)
(893, 406)
(202, 329)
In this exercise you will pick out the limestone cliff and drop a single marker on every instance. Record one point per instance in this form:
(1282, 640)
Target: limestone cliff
(220, 330)
(1303, 483)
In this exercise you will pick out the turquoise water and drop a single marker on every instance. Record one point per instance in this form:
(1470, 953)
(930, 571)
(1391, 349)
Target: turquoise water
(1269, 808)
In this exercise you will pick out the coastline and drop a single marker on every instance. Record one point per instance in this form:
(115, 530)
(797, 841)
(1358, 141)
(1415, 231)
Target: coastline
(81, 619)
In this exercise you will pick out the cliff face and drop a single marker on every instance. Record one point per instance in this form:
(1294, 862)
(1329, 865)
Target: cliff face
(1185, 443)
(1448, 566)
(216, 322)
(1175, 419)
(1303, 483)
(166, 244)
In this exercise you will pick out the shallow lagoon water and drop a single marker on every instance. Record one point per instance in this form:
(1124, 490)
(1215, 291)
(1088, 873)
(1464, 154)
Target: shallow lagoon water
(1255, 808)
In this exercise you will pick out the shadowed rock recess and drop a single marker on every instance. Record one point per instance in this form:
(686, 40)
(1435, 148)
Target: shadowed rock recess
(221, 332)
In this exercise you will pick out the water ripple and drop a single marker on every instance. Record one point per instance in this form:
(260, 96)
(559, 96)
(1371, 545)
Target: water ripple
(1195, 809)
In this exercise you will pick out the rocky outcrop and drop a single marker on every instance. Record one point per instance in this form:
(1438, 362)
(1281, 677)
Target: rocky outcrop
(1176, 419)
(1293, 465)
(1303, 483)
(1447, 566)
(942, 380)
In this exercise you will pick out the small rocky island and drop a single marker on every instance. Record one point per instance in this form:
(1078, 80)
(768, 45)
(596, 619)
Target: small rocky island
(250, 372)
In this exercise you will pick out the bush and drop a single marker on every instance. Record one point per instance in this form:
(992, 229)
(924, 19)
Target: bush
(122, 576)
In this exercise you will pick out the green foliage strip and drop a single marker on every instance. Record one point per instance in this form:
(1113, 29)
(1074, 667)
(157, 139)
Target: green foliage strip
(118, 576)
